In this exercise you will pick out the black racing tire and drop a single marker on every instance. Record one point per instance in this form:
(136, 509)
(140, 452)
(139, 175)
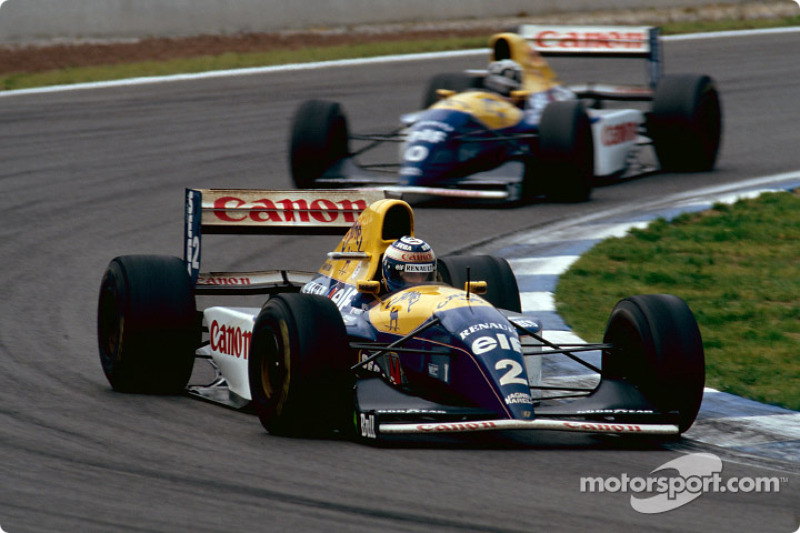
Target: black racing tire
(503, 291)
(319, 138)
(147, 324)
(685, 123)
(565, 154)
(659, 350)
(451, 81)
(299, 367)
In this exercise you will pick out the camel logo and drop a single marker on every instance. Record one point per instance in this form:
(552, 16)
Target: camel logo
(411, 297)
(393, 315)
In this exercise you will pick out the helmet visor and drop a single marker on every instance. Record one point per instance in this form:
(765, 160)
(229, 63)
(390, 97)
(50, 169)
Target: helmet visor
(409, 274)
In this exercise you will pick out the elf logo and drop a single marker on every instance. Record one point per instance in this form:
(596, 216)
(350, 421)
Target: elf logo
(488, 343)
(343, 297)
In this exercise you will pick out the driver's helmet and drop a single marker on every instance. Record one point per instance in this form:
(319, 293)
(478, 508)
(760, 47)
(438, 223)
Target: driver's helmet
(407, 262)
(504, 76)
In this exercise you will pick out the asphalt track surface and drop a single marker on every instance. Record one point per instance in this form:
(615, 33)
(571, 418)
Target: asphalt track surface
(92, 174)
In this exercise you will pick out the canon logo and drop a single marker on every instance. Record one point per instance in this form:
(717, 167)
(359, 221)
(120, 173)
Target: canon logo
(615, 428)
(456, 426)
(233, 209)
(223, 280)
(619, 133)
(612, 40)
(230, 340)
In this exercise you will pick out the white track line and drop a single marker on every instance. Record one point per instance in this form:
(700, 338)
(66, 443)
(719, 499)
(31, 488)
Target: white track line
(342, 63)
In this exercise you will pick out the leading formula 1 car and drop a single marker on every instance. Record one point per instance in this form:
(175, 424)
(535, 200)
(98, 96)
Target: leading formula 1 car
(332, 351)
(543, 139)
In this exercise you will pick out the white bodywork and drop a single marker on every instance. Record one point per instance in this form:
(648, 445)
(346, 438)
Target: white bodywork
(230, 332)
(615, 132)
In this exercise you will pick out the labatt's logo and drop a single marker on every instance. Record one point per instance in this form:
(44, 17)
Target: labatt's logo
(322, 210)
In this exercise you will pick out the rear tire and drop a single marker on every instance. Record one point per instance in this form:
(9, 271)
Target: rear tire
(503, 291)
(147, 327)
(319, 138)
(659, 351)
(685, 123)
(566, 154)
(299, 366)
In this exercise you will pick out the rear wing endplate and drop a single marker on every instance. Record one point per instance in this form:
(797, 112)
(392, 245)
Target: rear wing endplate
(598, 41)
(254, 211)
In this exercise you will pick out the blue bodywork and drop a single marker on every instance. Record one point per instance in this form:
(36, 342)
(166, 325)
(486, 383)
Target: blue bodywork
(461, 350)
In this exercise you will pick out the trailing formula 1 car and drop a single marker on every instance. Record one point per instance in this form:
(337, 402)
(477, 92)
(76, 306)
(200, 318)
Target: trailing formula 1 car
(339, 350)
(515, 132)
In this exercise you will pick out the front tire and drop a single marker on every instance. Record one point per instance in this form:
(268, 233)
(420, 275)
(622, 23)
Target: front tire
(147, 328)
(319, 138)
(658, 349)
(299, 366)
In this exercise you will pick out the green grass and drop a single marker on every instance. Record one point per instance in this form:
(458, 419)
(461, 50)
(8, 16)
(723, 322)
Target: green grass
(232, 61)
(13, 81)
(729, 24)
(738, 268)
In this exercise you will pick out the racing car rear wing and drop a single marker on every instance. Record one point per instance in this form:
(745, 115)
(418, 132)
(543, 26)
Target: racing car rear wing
(598, 41)
(255, 211)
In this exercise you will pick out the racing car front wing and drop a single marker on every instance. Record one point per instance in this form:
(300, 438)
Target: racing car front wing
(383, 411)
(539, 424)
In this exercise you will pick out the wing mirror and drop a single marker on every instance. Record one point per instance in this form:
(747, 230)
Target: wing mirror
(519, 97)
(369, 287)
(476, 287)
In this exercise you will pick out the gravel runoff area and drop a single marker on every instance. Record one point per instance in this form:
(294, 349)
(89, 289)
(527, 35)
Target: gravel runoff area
(44, 56)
